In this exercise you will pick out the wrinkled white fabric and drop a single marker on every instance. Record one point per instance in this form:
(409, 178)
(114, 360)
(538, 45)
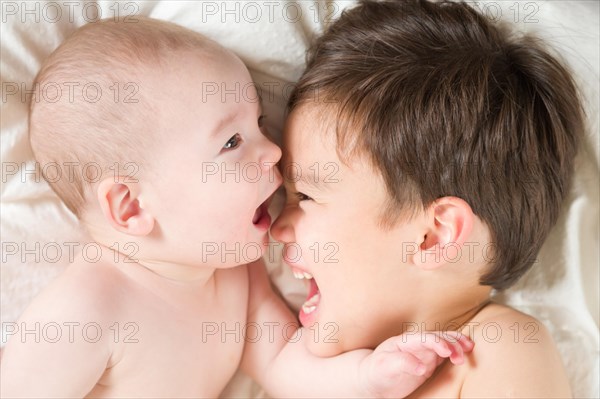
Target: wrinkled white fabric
(271, 38)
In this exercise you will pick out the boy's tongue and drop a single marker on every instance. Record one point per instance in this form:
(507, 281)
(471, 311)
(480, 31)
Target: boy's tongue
(312, 301)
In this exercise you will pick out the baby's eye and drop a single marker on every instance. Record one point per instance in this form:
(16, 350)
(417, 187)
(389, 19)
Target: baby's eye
(233, 142)
(261, 120)
(303, 197)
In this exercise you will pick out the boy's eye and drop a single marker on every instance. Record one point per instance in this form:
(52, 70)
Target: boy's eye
(261, 120)
(302, 197)
(233, 142)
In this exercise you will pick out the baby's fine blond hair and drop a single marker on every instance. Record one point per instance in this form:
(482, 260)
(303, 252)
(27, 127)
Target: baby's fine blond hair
(91, 114)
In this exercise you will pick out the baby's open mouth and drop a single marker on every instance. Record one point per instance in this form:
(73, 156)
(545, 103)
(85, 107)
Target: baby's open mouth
(314, 295)
(261, 218)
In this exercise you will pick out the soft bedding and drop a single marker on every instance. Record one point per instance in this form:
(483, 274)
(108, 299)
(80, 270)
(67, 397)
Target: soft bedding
(271, 37)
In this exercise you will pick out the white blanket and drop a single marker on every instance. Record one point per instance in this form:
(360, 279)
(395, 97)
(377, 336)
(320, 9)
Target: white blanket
(271, 38)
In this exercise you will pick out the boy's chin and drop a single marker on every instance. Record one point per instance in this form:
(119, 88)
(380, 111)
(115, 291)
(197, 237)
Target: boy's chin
(322, 347)
(331, 343)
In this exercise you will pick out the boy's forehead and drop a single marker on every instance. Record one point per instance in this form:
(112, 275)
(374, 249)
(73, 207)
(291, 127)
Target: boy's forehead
(311, 159)
(310, 135)
(307, 128)
(310, 154)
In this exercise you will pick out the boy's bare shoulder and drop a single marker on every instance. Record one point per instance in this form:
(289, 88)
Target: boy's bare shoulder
(514, 356)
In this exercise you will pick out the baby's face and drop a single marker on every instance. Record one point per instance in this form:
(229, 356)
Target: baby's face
(331, 231)
(215, 169)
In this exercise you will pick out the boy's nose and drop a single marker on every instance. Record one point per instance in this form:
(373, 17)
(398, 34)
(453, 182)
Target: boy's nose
(282, 229)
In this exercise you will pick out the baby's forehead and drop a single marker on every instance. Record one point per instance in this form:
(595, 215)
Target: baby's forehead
(216, 79)
(145, 45)
(212, 105)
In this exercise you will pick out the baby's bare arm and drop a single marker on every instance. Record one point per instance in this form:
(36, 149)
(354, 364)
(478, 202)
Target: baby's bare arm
(55, 350)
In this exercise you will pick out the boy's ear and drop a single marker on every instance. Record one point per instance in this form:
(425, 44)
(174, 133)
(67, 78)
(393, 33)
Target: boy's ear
(120, 206)
(450, 222)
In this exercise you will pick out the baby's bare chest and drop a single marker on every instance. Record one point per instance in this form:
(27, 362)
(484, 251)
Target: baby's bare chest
(186, 349)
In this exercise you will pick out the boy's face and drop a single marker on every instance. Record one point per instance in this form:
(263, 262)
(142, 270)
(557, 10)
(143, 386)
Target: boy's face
(215, 169)
(331, 231)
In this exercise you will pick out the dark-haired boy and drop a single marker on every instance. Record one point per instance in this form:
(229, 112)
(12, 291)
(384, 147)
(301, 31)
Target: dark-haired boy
(453, 143)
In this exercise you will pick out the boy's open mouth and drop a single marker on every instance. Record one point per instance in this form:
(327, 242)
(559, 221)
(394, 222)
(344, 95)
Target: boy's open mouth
(314, 296)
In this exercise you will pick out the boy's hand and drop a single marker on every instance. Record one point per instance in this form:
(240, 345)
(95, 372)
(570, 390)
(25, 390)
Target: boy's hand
(401, 364)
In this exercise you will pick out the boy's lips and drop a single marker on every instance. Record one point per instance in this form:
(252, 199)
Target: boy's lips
(308, 310)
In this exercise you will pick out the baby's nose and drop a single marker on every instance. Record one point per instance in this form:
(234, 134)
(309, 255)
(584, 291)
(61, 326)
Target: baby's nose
(271, 154)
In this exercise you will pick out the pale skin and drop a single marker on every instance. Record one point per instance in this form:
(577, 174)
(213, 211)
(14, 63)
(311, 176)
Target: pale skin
(157, 312)
(425, 277)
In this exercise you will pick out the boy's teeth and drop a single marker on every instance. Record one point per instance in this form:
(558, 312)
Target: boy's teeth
(302, 275)
(311, 304)
(309, 309)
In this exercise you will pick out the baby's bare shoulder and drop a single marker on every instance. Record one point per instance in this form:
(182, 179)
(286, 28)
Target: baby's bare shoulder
(83, 291)
(514, 356)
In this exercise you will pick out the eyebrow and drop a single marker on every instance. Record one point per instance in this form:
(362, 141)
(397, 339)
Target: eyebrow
(222, 123)
(231, 117)
(309, 180)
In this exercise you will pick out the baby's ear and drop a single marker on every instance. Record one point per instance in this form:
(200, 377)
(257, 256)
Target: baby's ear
(120, 206)
(450, 222)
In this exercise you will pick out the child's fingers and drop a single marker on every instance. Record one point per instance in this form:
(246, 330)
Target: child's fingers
(465, 342)
(404, 362)
(457, 356)
(392, 364)
(453, 340)
(435, 343)
(458, 342)
(445, 344)
(445, 348)
(453, 336)
(462, 345)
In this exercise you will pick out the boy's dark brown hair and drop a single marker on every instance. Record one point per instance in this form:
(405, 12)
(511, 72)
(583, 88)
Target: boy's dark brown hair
(445, 103)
